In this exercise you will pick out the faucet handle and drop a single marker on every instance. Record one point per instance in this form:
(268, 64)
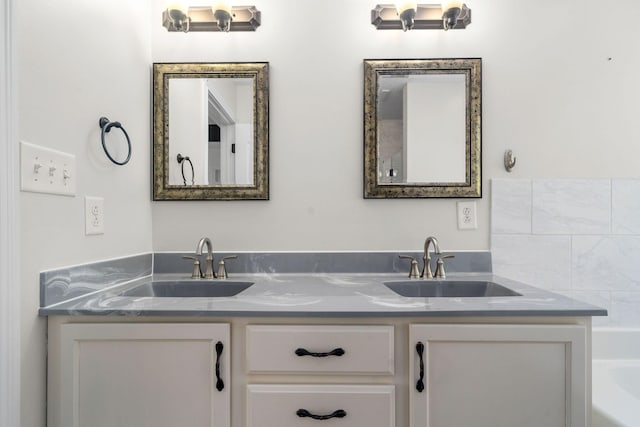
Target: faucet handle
(196, 273)
(414, 273)
(222, 269)
(440, 273)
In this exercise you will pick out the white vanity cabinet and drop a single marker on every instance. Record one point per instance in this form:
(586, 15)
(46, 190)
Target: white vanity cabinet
(498, 375)
(143, 375)
(331, 374)
(305, 371)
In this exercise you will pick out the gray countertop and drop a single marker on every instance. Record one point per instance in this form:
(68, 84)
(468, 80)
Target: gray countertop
(323, 295)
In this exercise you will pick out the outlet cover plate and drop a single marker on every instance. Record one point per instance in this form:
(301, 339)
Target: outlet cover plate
(94, 215)
(467, 216)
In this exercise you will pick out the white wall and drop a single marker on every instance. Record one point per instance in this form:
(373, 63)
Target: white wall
(78, 61)
(550, 93)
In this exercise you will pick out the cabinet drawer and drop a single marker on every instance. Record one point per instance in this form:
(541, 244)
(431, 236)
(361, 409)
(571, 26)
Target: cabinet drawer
(336, 349)
(297, 405)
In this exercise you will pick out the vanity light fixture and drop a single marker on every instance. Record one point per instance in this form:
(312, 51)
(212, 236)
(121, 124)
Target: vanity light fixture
(409, 15)
(218, 17)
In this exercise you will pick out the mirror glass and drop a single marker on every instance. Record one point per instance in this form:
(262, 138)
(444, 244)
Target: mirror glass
(422, 128)
(221, 149)
(210, 131)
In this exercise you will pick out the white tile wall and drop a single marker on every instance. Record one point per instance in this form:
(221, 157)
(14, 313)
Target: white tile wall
(577, 237)
(606, 262)
(511, 206)
(625, 309)
(625, 213)
(571, 206)
(542, 261)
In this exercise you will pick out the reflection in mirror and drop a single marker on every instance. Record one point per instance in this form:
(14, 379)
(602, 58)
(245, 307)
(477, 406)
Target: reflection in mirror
(221, 147)
(210, 131)
(417, 116)
(422, 128)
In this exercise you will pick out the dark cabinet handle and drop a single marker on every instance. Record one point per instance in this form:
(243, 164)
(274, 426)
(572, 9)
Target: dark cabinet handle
(219, 382)
(340, 413)
(420, 383)
(305, 352)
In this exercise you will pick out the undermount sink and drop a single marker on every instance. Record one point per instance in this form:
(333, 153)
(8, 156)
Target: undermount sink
(449, 289)
(188, 289)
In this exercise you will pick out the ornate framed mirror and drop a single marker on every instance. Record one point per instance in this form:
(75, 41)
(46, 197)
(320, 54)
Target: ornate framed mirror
(211, 131)
(422, 128)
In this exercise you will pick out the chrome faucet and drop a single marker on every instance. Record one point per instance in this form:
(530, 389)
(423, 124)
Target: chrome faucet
(208, 273)
(426, 271)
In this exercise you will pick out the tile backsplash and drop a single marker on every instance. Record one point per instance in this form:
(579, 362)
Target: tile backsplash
(577, 237)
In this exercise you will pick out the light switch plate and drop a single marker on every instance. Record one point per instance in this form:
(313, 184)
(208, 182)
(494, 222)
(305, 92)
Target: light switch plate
(44, 170)
(94, 215)
(467, 216)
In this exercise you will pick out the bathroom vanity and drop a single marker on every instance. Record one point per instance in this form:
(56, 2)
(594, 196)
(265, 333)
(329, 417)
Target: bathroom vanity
(308, 349)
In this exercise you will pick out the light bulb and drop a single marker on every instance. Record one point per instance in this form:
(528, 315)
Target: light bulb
(178, 6)
(451, 4)
(224, 6)
(405, 5)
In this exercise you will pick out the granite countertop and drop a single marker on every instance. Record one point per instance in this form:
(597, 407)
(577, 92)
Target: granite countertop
(323, 295)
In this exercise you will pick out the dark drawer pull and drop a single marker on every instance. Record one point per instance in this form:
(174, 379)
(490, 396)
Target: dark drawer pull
(305, 352)
(340, 413)
(219, 382)
(420, 383)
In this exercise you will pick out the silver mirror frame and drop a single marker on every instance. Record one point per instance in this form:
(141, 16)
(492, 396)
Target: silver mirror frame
(472, 187)
(162, 72)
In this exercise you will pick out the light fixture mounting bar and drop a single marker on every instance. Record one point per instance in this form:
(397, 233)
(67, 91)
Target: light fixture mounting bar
(245, 18)
(428, 17)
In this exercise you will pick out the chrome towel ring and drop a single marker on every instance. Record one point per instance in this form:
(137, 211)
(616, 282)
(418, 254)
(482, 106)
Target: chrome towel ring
(106, 126)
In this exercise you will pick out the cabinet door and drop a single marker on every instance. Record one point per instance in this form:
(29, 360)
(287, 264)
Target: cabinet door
(499, 376)
(155, 375)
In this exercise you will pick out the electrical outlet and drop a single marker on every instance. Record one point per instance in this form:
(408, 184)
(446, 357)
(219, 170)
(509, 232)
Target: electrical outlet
(94, 215)
(467, 218)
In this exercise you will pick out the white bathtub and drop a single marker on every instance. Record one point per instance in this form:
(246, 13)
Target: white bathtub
(616, 377)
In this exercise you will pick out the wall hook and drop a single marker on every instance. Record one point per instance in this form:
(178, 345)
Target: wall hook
(509, 160)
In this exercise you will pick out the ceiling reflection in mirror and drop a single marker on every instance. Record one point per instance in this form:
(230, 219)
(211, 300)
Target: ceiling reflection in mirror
(210, 131)
(422, 128)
